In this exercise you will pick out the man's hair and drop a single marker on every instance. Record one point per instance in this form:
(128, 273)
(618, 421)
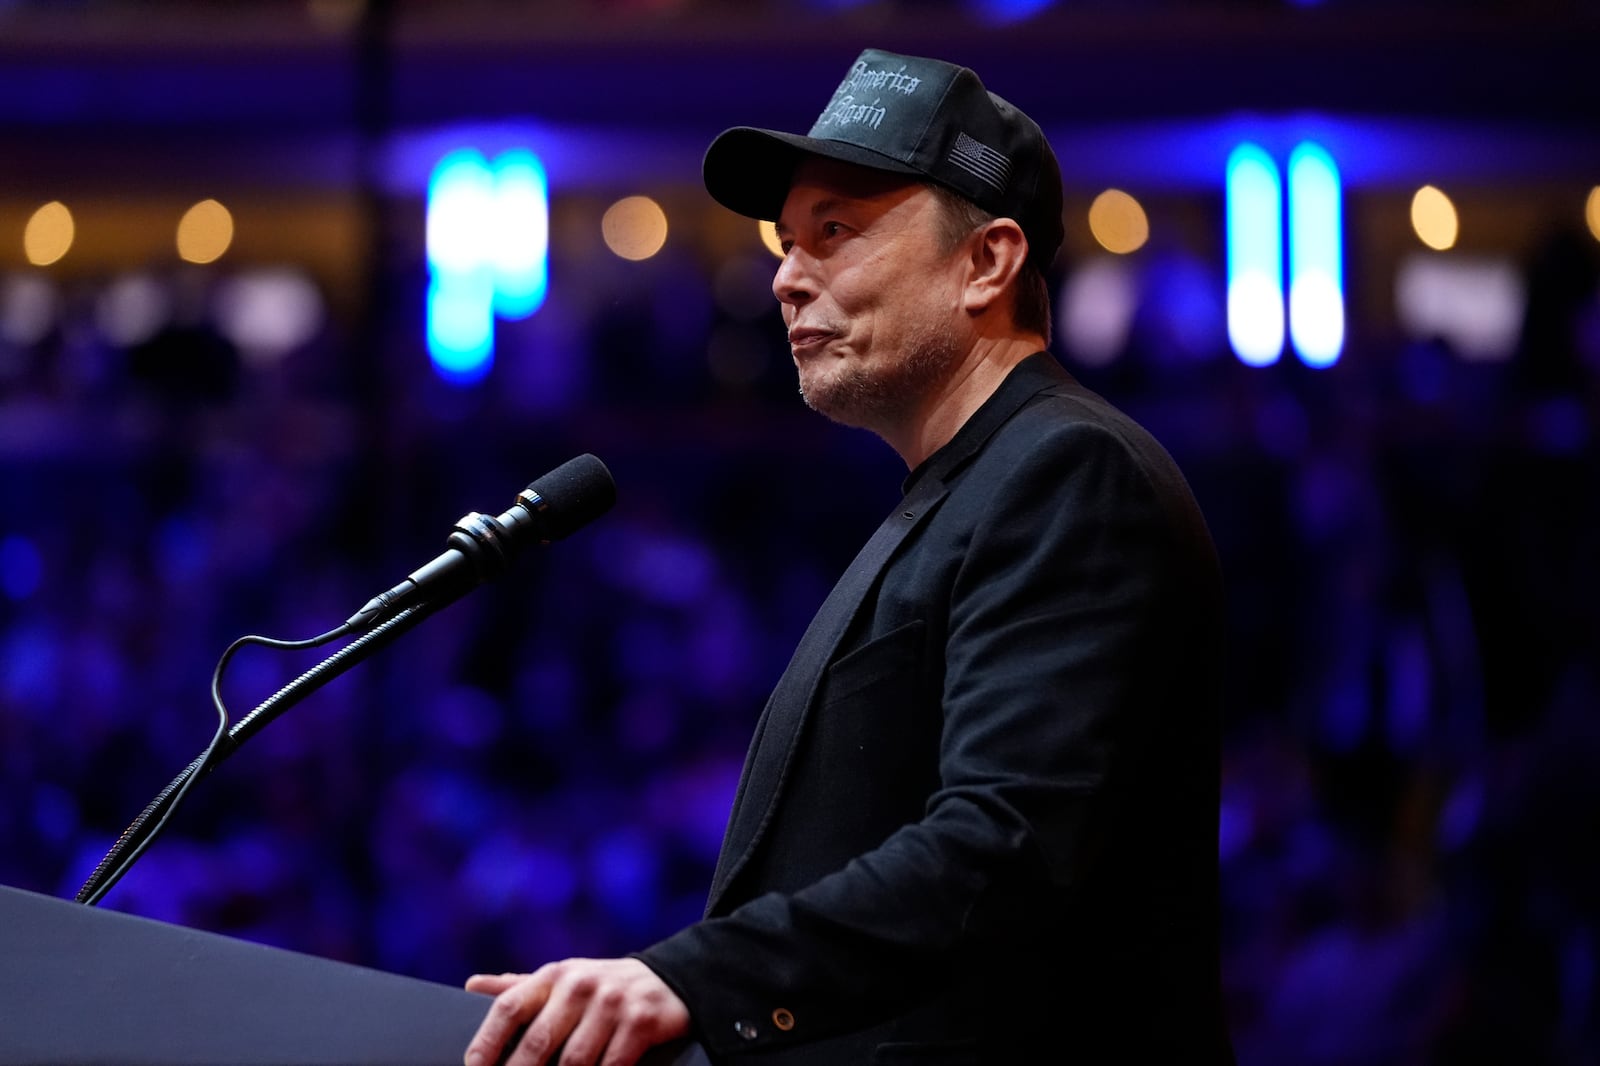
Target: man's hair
(959, 217)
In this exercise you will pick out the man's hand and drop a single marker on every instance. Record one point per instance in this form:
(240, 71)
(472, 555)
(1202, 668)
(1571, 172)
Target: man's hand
(606, 1011)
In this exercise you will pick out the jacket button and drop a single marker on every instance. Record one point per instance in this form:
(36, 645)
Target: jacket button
(746, 1030)
(783, 1019)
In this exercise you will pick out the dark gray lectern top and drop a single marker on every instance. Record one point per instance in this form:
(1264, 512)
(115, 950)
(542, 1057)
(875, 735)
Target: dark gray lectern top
(82, 986)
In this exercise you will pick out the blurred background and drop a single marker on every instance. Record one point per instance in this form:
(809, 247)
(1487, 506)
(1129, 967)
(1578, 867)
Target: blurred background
(288, 286)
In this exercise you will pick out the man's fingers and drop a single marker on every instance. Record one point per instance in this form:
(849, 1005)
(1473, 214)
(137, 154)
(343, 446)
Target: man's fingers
(493, 983)
(628, 1043)
(593, 1031)
(589, 1011)
(563, 1008)
(519, 998)
(648, 1013)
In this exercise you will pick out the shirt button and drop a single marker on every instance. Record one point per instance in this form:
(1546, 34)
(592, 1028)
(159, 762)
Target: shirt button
(783, 1019)
(746, 1030)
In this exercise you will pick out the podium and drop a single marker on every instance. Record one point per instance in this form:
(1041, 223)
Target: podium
(80, 985)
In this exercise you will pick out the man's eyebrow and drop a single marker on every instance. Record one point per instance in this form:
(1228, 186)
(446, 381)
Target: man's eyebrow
(825, 205)
(818, 209)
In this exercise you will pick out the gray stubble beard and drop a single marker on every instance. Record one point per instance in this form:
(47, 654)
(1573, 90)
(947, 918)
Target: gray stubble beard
(883, 396)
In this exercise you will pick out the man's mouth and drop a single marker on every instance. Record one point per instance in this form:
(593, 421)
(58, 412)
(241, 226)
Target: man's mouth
(808, 339)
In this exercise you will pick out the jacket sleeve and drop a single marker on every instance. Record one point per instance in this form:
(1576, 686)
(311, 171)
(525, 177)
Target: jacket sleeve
(1050, 624)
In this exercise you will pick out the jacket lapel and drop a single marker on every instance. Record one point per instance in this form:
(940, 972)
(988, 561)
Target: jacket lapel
(778, 731)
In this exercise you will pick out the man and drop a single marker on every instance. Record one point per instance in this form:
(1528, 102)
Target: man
(977, 823)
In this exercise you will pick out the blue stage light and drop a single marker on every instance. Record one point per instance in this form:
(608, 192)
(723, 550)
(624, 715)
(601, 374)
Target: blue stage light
(461, 326)
(460, 311)
(460, 212)
(1316, 259)
(1255, 256)
(1006, 11)
(488, 240)
(521, 236)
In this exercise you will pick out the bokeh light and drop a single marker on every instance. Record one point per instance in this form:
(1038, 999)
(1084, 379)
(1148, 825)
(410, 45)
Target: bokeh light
(1005, 12)
(49, 234)
(268, 314)
(1098, 302)
(519, 237)
(132, 309)
(1118, 222)
(1591, 212)
(1475, 305)
(769, 237)
(460, 212)
(1316, 256)
(460, 325)
(204, 232)
(1255, 256)
(457, 233)
(634, 227)
(30, 308)
(1433, 216)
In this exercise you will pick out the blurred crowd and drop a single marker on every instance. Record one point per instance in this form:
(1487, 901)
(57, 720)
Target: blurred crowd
(1410, 804)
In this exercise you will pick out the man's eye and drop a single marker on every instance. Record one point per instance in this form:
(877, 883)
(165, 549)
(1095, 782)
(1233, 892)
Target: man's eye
(832, 229)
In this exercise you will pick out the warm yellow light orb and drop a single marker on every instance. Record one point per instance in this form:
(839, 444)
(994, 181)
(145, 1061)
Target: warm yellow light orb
(1591, 212)
(1433, 216)
(48, 234)
(1118, 222)
(634, 227)
(204, 232)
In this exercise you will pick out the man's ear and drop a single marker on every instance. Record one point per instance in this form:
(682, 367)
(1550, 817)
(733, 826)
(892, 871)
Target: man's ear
(997, 258)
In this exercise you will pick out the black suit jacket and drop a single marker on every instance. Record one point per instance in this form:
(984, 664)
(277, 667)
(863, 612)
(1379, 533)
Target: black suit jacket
(978, 818)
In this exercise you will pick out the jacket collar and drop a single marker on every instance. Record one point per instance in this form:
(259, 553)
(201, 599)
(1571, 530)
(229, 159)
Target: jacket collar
(1027, 379)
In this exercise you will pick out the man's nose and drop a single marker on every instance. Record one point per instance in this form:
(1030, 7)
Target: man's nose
(793, 283)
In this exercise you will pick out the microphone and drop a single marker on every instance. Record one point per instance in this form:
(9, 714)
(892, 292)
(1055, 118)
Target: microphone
(482, 547)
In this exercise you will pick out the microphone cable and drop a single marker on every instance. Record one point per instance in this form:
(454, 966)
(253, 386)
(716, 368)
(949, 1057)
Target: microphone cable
(140, 834)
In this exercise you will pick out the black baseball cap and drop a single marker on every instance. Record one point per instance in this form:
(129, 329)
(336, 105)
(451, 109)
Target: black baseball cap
(924, 118)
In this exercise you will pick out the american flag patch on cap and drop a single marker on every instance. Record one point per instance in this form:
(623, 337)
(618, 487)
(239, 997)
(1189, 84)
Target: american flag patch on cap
(981, 161)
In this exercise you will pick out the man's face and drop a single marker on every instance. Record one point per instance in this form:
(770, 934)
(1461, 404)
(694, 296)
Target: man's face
(872, 299)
